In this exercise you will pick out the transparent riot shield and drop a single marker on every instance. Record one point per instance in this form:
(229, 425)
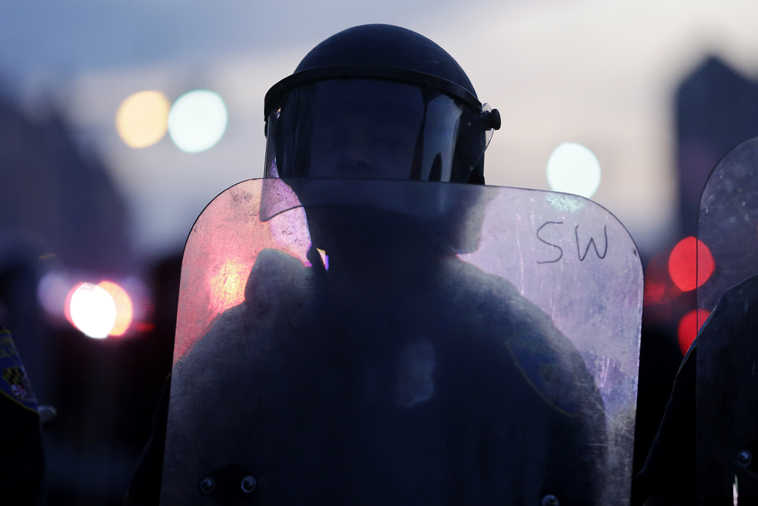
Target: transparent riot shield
(727, 351)
(383, 342)
(728, 225)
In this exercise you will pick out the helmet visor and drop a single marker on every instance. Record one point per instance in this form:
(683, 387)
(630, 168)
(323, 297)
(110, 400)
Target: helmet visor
(378, 129)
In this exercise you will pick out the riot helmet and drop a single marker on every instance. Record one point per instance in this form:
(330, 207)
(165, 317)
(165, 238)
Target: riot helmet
(380, 102)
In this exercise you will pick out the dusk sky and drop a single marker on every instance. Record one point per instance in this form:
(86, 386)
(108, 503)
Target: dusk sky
(597, 73)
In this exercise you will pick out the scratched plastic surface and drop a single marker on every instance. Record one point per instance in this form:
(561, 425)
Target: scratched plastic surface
(728, 222)
(554, 279)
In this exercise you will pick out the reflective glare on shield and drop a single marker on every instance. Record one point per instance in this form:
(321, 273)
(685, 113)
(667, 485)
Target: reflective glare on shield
(385, 342)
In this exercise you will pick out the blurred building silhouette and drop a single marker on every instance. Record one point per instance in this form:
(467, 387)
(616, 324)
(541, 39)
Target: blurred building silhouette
(54, 197)
(60, 210)
(58, 207)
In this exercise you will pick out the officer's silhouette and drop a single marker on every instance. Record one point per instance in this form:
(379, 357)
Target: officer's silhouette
(389, 370)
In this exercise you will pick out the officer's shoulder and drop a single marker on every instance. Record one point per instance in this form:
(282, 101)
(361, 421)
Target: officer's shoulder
(743, 292)
(497, 302)
(728, 331)
(276, 273)
(276, 288)
(735, 309)
(520, 331)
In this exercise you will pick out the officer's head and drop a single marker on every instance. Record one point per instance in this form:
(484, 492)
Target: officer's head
(378, 102)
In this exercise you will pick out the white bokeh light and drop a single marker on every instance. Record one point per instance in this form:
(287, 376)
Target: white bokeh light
(92, 310)
(573, 168)
(51, 291)
(197, 120)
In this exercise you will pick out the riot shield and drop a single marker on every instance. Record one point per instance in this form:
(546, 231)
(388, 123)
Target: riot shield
(727, 352)
(391, 342)
(728, 225)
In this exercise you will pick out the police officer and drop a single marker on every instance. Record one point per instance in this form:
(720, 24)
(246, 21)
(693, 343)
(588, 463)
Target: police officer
(390, 371)
(726, 404)
(703, 452)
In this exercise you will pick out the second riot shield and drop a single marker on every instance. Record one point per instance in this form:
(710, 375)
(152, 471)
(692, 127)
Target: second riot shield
(367, 342)
(727, 351)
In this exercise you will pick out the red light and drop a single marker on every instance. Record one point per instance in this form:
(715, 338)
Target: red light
(682, 263)
(689, 326)
(144, 327)
(654, 292)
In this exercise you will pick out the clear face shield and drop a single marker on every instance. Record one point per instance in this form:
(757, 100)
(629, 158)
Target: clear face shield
(375, 129)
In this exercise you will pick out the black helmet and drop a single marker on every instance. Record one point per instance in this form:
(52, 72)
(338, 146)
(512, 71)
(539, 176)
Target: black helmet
(377, 101)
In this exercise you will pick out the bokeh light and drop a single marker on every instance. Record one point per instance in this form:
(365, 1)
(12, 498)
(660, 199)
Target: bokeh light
(573, 168)
(689, 326)
(92, 310)
(655, 292)
(142, 118)
(144, 327)
(683, 260)
(52, 291)
(197, 120)
(124, 307)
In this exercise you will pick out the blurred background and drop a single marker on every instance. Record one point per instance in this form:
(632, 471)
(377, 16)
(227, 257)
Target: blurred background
(120, 120)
